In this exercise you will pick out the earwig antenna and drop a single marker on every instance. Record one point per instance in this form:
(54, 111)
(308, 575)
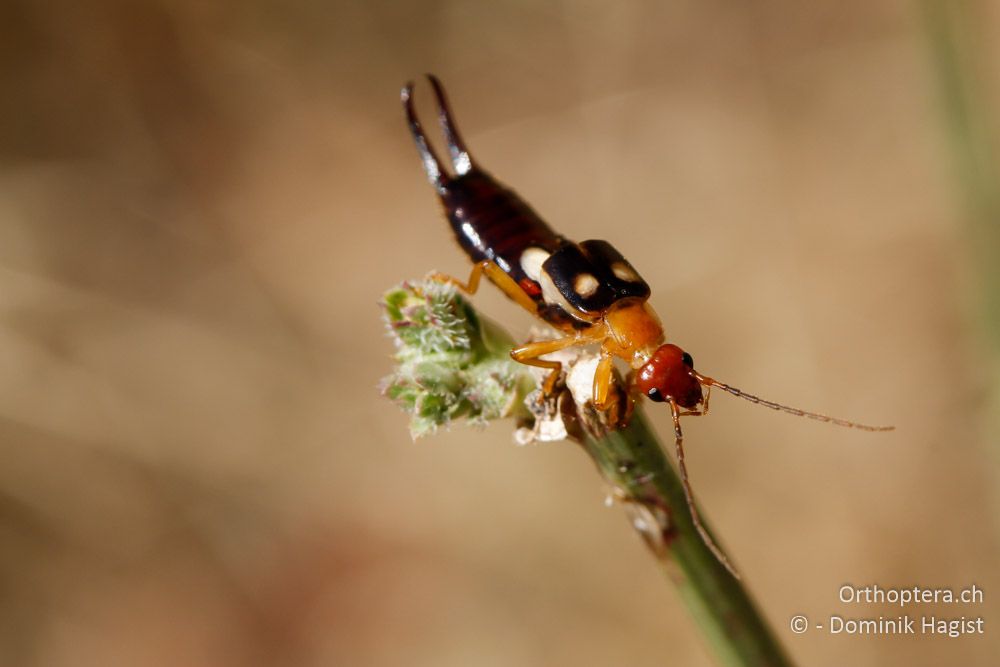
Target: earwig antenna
(432, 165)
(689, 495)
(709, 382)
(460, 156)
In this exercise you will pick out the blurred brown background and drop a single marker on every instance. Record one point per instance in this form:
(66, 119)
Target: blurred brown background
(199, 207)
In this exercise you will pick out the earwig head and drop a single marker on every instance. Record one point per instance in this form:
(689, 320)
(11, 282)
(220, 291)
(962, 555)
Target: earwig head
(669, 373)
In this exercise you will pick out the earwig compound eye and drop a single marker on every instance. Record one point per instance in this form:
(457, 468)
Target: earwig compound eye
(655, 395)
(688, 360)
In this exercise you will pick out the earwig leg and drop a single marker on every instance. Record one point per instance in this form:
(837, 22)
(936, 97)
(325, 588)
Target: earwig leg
(618, 402)
(603, 378)
(460, 156)
(471, 286)
(689, 495)
(432, 165)
(497, 276)
(529, 354)
(509, 286)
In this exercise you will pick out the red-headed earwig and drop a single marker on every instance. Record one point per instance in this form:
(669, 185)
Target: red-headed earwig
(587, 290)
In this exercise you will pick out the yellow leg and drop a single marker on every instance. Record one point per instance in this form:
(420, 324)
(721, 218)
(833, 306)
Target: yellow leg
(529, 354)
(497, 276)
(603, 379)
(616, 402)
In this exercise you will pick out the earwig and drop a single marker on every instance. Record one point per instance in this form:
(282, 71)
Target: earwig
(588, 291)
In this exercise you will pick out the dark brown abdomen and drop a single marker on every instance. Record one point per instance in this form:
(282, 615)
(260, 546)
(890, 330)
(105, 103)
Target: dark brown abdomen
(492, 222)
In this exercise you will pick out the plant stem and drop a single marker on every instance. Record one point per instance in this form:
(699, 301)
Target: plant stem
(957, 59)
(452, 363)
(955, 38)
(632, 460)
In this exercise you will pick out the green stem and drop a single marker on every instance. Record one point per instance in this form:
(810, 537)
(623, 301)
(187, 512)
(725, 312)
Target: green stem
(632, 459)
(451, 363)
(956, 57)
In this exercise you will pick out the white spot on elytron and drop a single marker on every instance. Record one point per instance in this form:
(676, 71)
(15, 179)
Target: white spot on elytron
(624, 272)
(531, 262)
(585, 285)
(552, 296)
